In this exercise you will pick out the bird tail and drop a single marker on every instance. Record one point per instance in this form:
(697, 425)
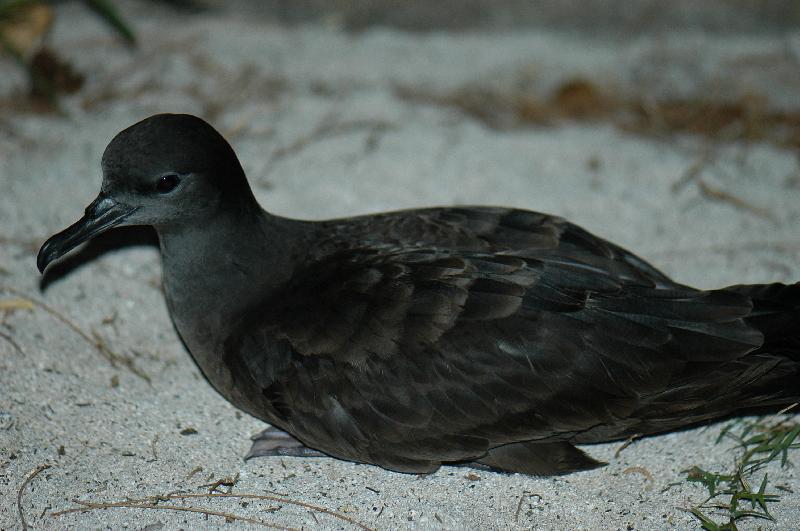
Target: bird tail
(766, 377)
(776, 313)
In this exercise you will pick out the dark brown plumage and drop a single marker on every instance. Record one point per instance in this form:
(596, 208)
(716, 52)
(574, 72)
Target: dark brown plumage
(410, 339)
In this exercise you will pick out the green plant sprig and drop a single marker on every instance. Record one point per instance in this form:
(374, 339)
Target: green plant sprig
(760, 441)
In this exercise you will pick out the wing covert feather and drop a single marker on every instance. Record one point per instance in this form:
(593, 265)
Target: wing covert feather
(496, 347)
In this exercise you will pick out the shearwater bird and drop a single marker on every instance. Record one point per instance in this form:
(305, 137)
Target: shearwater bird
(485, 336)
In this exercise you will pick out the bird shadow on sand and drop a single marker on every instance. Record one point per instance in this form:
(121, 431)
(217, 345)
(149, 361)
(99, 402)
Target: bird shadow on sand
(119, 238)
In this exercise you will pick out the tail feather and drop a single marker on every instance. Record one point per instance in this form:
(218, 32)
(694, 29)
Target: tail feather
(768, 376)
(776, 313)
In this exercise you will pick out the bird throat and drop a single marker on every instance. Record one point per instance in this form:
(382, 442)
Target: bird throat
(213, 271)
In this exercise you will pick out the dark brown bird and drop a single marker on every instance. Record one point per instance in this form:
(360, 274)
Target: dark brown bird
(479, 335)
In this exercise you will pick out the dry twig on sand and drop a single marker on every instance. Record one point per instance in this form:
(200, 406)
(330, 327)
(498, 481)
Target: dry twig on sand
(96, 341)
(718, 194)
(153, 502)
(138, 504)
(35, 472)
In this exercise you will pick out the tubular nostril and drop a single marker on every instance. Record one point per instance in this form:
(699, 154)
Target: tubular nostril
(98, 206)
(92, 208)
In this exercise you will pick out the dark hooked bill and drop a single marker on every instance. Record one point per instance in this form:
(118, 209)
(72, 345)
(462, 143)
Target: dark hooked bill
(102, 214)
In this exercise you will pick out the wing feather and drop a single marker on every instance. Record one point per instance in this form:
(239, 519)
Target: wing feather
(507, 326)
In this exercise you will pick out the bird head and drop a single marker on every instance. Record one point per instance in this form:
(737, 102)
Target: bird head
(168, 170)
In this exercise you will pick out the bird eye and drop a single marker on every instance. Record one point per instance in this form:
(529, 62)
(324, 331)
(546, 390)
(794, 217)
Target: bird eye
(167, 183)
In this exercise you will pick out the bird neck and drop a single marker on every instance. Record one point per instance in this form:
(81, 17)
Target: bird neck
(212, 270)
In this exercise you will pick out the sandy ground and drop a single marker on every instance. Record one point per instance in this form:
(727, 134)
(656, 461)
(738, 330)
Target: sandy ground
(329, 123)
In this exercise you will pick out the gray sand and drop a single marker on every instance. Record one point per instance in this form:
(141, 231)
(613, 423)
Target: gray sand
(316, 118)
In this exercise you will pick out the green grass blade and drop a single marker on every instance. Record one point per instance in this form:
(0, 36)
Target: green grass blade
(7, 7)
(15, 54)
(707, 523)
(109, 13)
